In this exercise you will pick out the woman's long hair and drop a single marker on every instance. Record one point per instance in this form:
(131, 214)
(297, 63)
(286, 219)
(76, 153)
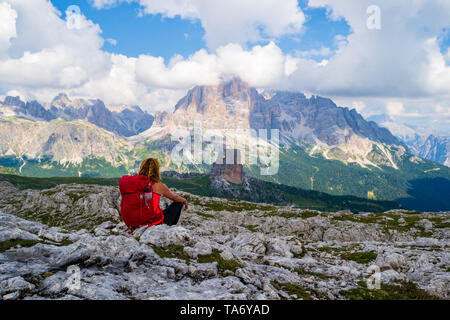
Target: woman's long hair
(150, 168)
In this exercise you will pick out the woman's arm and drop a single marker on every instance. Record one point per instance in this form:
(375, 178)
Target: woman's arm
(172, 196)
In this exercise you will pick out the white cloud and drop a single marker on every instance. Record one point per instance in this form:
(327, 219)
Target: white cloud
(401, 59)
(431, 113)
(58, 57)
(200, 68)
(322, 52)
(400, 63)
(359, 105)
(231, 21)
(261, 66)
(394, 108)
(437, 73)
(112, 42)
(8, 18)
(70, 59)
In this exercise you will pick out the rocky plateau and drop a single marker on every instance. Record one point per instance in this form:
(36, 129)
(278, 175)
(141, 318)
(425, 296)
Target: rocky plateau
(68, 243)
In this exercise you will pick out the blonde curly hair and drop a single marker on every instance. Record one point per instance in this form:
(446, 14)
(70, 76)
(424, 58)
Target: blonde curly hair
(150, 168)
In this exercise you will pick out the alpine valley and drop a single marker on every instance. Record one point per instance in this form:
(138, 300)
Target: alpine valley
(323, 147)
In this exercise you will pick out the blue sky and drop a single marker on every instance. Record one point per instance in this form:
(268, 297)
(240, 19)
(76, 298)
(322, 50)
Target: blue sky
(149, 34)
(444, 40)
(158, 36)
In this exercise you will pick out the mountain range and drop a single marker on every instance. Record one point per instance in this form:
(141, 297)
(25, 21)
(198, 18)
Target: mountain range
(123, 120)
(431, 147)
(315, 123)
(324, 147)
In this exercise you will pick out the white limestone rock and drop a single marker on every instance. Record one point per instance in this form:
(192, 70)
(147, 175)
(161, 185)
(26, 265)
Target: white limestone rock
(114, 264)
(15, 284)
(163, 236)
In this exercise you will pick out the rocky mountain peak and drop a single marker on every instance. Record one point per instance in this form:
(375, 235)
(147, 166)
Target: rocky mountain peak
(32, 110)
(233, 88)
(61, 99)
(230, 167)
(314, 122)
(201, 97)
(435, 148)
(124, 120)
(13, 101)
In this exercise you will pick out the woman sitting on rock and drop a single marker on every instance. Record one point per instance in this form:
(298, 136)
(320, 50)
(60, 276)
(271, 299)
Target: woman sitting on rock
(141, 195)
(150, 168)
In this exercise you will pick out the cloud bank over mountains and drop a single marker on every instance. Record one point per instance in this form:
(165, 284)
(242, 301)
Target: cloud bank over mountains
(400, 69)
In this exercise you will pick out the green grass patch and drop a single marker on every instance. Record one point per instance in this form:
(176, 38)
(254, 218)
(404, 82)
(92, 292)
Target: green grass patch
(412, 212)
(331, 250)
(63, 243)
(360, 257)
(49, 192)
(303, 272)
(172, 251)
(404, 290)
(252, 228)
(24, 182)
(445, 267)
(205, 215)
(222, 264)
(292, 289)
(375, 218)
(228, 205)
(12, 202)
(308, 214)
(5, 245)
(233, 206)
(291, 215)
(55, 218)
(391, 221)
(75, 196)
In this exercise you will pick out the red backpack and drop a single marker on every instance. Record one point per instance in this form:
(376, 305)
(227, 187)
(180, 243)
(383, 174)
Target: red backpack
(139, 205)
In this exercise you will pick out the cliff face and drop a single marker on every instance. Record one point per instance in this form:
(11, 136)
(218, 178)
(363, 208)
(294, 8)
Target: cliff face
(328, 122)
(59, 140)
(235, 105)
(230, 105)
(231, 170)
(431, 147)
(435, 149)
(335, 132)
